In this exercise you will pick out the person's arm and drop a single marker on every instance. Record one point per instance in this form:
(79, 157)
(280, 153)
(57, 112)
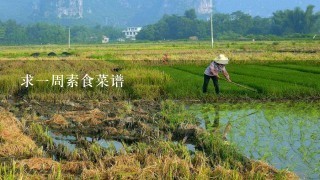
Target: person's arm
(226, 74)
(213, 71)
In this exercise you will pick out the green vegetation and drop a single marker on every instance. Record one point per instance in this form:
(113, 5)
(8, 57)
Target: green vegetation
(155, 131)
(152, 53)
(271, 82)
(270, 69)
(286, 24)
(145, 83)
(12, 33)
(296, 20)
(296, 23)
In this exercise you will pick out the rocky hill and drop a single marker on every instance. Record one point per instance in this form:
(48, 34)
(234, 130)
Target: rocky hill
(129, 12)
(93, 12)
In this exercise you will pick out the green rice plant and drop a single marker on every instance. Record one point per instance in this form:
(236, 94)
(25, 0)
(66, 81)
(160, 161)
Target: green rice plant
(10, 171)
(226, 88)
(268, 87)
(304, 67)
(275, 43)
(183, 85)
(148, 92)
(126, 109)
(101, 56)
(111, 150)
(182, 151)
(278, 133)
(7, 172)
(96, 152)
(220, 152)
(278, 74)
(188, 82)
(175, 114)
(41, 135)
(57, 173)
(181, 81)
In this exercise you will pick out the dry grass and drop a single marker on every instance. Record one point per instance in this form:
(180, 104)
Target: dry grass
(264, 50)
(220, 172)
(93, 117)
(151, 167)
(92, 174)
(264, 170)
(39, 164)
(11, 73)
(76, 167)
(14, 142)
(58, 120)
(40, 167)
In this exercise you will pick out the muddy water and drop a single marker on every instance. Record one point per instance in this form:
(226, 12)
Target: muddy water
(71, 141)
(286, 135)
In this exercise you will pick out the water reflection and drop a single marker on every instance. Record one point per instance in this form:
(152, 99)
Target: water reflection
(71, 141)
(285, 135)
(205, 119)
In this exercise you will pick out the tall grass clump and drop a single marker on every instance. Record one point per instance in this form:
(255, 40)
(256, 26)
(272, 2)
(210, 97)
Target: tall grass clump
(41, 135)
(7, 172)
(10, 171)
(175, 114)
(222, 153)
(145, 83)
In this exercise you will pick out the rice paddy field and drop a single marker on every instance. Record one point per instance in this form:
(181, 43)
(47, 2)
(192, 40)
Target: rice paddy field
(137, 111)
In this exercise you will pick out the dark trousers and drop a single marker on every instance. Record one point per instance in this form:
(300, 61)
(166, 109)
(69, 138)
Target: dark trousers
(206, 82)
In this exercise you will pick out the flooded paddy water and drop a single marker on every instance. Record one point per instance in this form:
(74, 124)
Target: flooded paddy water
(286, 135)
(283, 134)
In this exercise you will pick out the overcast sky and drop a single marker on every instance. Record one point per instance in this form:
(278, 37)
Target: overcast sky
(263, 8)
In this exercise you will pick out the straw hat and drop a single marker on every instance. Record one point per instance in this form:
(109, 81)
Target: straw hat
(221, 59)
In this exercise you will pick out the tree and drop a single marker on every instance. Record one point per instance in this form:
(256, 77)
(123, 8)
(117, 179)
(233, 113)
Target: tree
(241, 22)
(14, 33)
(2, 31)
(80, 34)
(309, 19)
(42, 33)
(147, 33)
(294, 21)
(260, 26)
(191, 14)
(111, 32)
(316, 27)
(175, 27)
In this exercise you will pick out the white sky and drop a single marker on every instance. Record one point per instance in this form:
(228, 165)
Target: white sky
(263, 8)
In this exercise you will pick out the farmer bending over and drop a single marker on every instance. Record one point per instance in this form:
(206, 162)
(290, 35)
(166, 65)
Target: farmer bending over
(212, 71)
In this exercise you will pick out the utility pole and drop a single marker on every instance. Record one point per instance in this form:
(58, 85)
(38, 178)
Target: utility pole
(207, 8)
(69, 39)
(211, 31)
